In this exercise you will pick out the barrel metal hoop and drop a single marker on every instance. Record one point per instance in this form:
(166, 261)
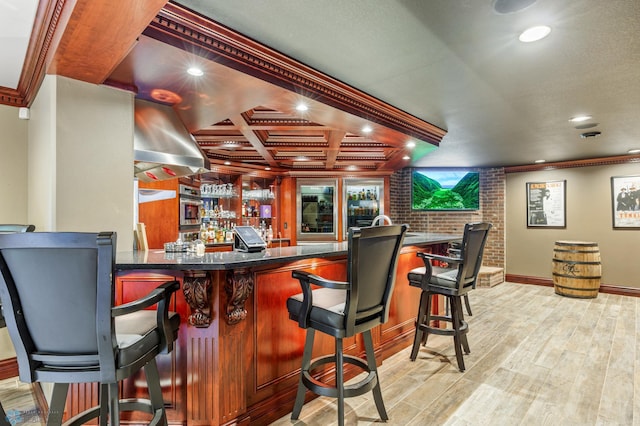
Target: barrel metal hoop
(595, 277)
(575, 243)
(576, 262)
(577, 288)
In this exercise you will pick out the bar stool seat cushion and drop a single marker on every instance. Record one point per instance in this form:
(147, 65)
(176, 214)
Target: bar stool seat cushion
(440, 276)
(328, 306)
(137, 333)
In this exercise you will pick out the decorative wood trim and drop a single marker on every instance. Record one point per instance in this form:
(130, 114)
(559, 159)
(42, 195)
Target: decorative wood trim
(197, 292)
(601, 161)
(189, 31)
(604, 288)
(8, 368)
(46, 23)
(238, 286)
(202, 380)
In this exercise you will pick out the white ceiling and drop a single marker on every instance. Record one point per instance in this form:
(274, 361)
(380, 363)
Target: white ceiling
(459, 65)
(16, 21)
(454, 63)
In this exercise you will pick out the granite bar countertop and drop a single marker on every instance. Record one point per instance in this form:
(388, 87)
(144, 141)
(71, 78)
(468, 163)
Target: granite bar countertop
(224, 260)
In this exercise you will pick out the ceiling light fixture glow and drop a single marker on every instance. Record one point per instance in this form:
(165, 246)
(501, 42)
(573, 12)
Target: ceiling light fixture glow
(634, 151)
(540, 161)
(227, 163)
(580, 118)
(534, 34)
(195, 71)
(406, 157)
(411, 144)
(367, 129)
(302, 107)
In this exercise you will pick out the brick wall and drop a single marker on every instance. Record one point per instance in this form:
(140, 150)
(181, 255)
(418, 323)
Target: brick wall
(492, 209)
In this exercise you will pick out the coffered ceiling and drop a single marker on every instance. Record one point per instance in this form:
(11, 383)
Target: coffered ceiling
(448, 75)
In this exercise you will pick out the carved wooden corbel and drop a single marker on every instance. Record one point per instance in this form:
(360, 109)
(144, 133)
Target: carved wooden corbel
(238, 286)
(197, 293)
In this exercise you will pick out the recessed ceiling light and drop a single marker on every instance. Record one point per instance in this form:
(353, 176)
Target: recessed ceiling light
(534, 34)
(540, 161)
(411, 144)
(406, 157)
(586, 135)
(580, 118)
(367, 129)
(634, 151)
(227, 163)
(195, 71)
(302, 107)
(166, 96)
(267, 168)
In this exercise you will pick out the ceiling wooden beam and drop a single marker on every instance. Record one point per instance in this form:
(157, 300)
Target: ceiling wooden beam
(335, 139)
(94, 37)
(239, 121)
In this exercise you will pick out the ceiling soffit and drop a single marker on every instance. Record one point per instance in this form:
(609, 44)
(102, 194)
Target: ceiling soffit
(186, 30)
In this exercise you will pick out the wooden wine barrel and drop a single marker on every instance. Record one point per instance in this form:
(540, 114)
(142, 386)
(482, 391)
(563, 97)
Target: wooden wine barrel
(576, 269)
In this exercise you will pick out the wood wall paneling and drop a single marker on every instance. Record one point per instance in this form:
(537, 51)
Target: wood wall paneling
(161, 218)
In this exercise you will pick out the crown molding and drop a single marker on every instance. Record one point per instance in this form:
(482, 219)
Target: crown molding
(602, 161)
(46, 22)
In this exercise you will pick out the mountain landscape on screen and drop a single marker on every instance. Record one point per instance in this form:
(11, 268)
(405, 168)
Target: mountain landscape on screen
(436, 189)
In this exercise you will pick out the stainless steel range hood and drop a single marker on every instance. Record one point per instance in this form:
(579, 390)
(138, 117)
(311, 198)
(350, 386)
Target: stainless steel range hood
(162, 146)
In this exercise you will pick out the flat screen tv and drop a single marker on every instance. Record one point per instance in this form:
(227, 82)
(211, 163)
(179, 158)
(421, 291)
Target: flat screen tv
(445, 189)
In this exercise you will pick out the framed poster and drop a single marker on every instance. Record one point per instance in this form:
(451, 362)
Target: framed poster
(625, 202)
(546, 206)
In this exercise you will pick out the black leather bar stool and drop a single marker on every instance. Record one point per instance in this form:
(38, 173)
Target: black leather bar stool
(345, 308)
(10, 229)
(452, 283)
(58, 294)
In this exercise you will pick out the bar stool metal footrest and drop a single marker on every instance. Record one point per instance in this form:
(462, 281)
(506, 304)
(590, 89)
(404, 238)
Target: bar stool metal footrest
(354, 389)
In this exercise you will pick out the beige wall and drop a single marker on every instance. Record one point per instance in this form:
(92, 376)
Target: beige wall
(78, 145)
(81, 158)
(589, 218)
(13, 166)
(13, 184)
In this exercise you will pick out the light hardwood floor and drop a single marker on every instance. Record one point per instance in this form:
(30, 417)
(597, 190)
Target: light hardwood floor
(536, 359)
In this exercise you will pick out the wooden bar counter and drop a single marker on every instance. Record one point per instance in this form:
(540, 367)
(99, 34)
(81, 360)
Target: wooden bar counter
(238, 354)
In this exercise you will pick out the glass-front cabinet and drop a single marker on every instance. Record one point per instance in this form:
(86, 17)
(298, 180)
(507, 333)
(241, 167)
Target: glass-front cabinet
(364, 200)
(258, 199)
(317, 216)
(220, 199)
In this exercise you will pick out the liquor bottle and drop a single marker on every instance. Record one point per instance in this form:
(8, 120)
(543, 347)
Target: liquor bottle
(269, 236)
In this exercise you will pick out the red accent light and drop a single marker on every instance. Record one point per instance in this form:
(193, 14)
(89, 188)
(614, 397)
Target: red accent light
(169, 171)
(151, 175)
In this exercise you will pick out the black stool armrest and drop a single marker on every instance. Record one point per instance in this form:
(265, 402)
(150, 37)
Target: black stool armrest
(430, 256)
(160, 295)
(306, 280)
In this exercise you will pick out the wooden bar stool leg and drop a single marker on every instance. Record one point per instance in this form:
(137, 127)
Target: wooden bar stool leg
(340, 380)
(420, 318)
(58, 400)
(467, 304)
(427, 319)
(371, 362)
(3, 417)
(455, 319)
(306, 362)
